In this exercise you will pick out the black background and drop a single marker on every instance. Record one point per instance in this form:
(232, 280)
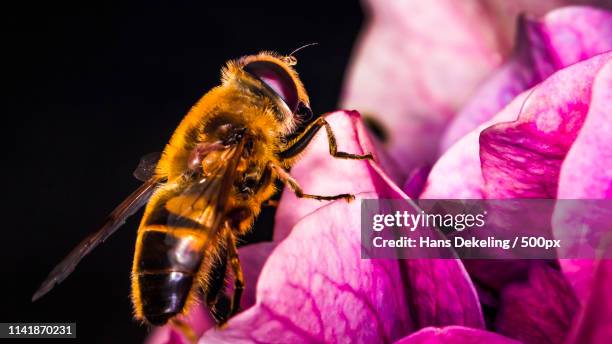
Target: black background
(91, 90)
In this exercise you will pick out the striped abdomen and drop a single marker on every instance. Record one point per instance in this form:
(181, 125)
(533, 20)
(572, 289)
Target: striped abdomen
(165, 270)
(170, 253)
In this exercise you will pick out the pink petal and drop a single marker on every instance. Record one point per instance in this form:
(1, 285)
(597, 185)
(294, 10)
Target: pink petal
(319, 173)
(411, 77)
(199, 319)
(403, 76)
(315, 287)
(594, 323)
(563, 37)
(415, 183)
(523, 158)
(434, 300)
(252, 258)
(496, 274)
(457, 174)
(454, 334)
(539, 310)
(586, 173)
(578, 33)
(459, 171)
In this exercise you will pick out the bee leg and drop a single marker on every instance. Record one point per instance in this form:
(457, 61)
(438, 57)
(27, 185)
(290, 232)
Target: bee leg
(234, 260)
(185, 329)
(287, 179)
(297, 145)
(216, 300)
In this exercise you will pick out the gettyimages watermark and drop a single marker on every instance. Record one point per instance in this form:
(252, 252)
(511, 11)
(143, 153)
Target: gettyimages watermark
(486, 229)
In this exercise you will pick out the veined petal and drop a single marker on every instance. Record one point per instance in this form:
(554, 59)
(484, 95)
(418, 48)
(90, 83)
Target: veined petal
(523, 158)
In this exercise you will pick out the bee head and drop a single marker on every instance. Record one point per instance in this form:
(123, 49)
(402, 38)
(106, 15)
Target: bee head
(276, 74)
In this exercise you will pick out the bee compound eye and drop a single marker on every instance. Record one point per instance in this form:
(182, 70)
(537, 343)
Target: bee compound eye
(277, 79)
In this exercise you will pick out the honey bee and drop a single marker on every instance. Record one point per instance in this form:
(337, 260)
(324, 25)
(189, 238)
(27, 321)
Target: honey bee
(208, 186)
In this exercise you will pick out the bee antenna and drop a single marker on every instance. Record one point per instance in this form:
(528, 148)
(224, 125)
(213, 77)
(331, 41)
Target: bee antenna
(302, 47)
(290, 59)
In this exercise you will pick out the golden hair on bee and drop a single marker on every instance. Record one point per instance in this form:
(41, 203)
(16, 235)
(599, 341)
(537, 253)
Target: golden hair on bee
(205, 191)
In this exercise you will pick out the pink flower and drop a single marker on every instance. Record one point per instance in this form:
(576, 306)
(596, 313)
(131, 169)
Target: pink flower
(540, 127)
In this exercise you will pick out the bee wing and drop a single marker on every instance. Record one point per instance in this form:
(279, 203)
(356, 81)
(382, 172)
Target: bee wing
(146, 167)
(116, 218)
(204, 201)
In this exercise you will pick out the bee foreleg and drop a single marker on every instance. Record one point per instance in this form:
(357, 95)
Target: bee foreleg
(216, 300)
(297, 145)
(287, 179)
(234, 261)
